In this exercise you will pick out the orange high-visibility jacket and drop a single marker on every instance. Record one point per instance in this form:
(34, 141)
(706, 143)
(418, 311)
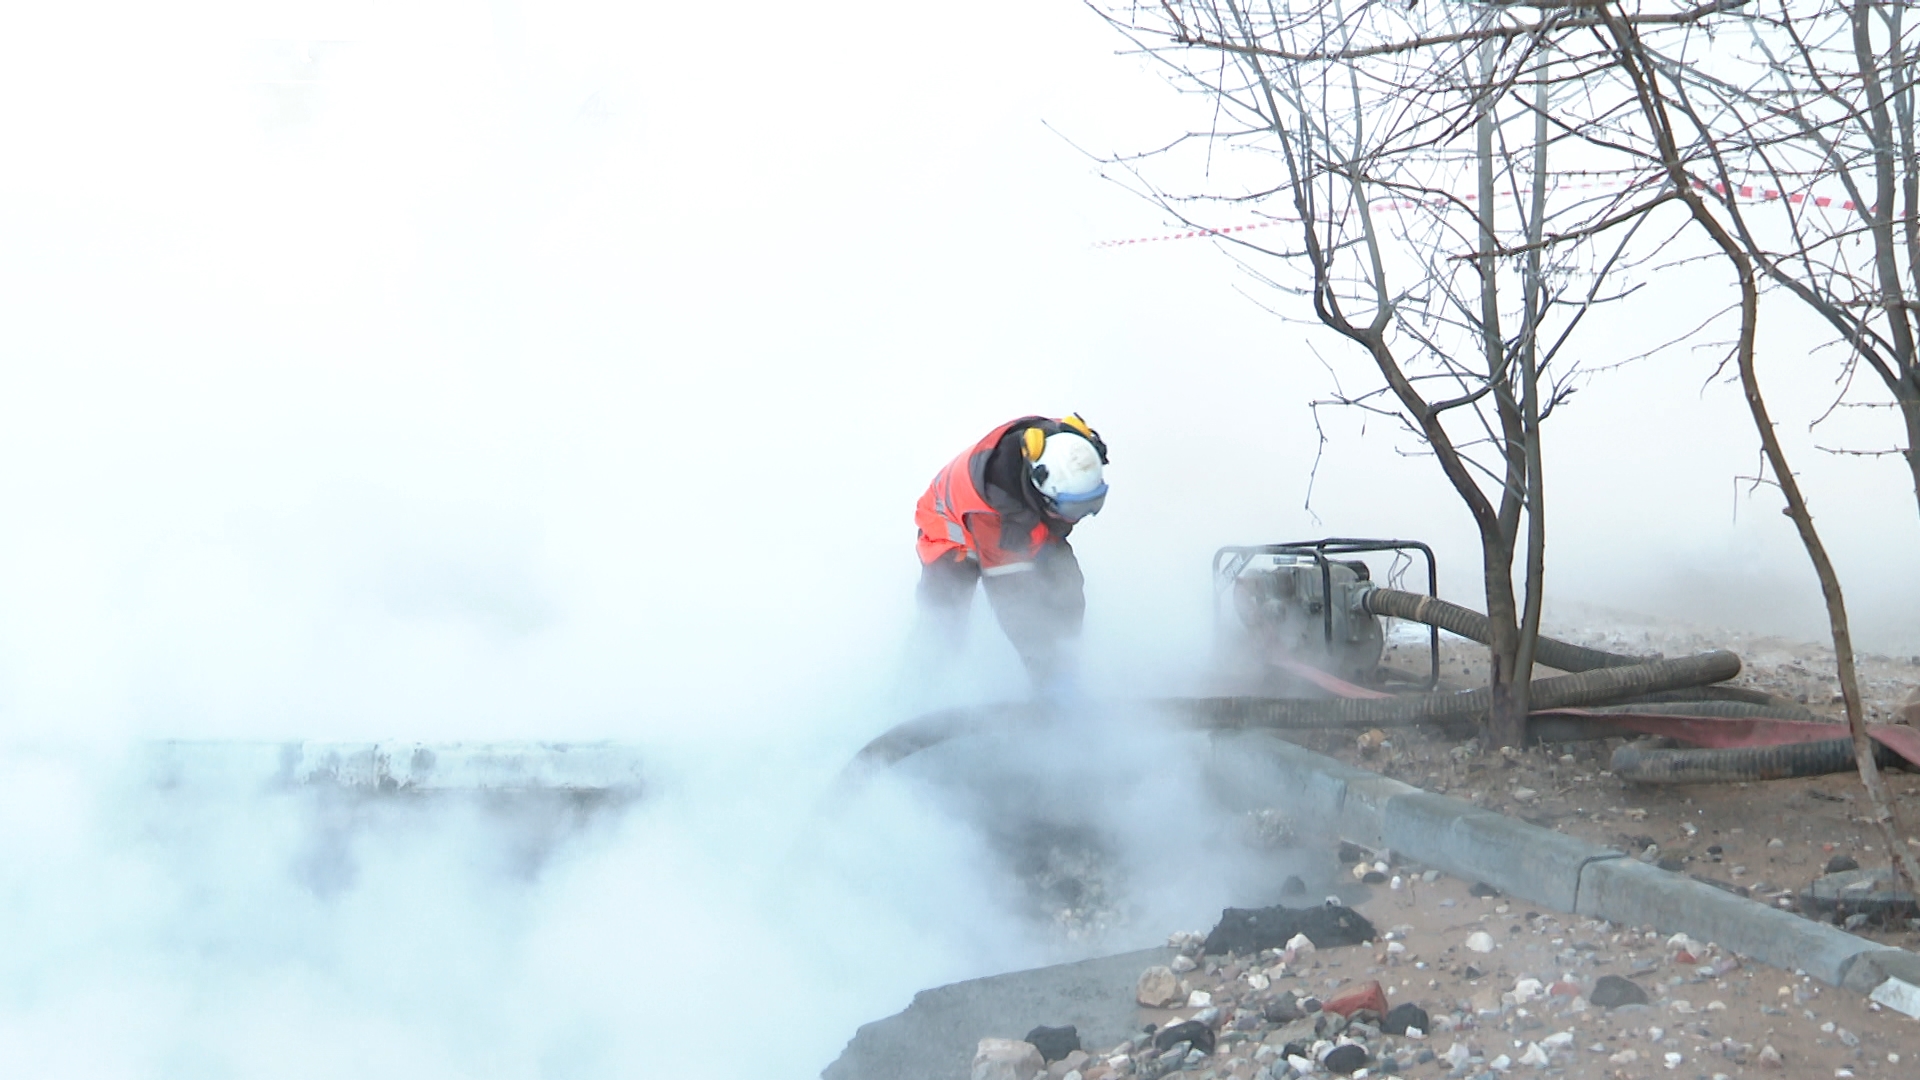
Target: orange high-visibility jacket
(957, 521)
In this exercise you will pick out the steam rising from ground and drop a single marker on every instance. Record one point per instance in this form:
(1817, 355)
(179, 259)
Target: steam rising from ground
(545, 372)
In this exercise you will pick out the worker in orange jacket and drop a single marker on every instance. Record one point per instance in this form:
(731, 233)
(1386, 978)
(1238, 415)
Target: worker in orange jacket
(1000, 514)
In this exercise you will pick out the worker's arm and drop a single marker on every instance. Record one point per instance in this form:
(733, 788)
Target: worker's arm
(1040, 604)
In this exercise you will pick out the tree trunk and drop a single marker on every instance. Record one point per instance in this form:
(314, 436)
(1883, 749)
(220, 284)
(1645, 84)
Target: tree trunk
(1507, 721)
(1910, 408)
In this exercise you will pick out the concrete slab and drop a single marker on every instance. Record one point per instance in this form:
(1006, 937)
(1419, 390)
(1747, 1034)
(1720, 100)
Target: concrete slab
(399, 766)
(935, 1036)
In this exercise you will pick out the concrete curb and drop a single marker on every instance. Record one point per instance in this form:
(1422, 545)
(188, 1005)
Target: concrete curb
(1540, 865)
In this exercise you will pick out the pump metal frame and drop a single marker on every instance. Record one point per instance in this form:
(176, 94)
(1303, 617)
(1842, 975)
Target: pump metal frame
(1229, 561)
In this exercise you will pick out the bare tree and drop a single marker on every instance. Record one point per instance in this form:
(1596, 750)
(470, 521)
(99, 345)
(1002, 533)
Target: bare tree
(1686, 150)
(1822, 98)
(1411, 147)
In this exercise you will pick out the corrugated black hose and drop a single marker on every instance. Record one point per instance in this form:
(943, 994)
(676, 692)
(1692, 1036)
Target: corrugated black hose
(1585, 688)
(1472, 625)
(1819, 758)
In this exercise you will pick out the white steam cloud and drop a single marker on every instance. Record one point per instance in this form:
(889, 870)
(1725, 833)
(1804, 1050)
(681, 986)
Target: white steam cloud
(446, 371)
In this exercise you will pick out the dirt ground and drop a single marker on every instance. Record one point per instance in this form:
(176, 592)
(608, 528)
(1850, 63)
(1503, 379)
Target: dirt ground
(1721, 832)
(1522, 1003)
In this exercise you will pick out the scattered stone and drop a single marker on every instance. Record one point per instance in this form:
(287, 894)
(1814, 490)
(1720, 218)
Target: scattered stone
(1054, 1043)
(1158, 988)
(1533, 1055)
(1351, 853)
(1344, 1060)
(1480, 941)
(1612, 991)
(1840, 863)
(1199, 999)
(1006, 1059)
(1769, 1058)
(1182, 964)
(1404, 1016)
(1367, 995)
(1625, 1057)
(1195, 1034)
(1283, 1010)
(1483, 890)
(1249, 930)
(1073, 1063)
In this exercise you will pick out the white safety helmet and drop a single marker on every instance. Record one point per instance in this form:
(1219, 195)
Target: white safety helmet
(1067, 473)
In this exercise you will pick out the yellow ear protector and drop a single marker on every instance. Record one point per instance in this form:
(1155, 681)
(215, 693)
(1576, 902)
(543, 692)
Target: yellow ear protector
(1073, 421)
(1035, 443)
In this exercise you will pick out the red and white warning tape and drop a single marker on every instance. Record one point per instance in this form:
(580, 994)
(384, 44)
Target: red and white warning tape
(1743, 191)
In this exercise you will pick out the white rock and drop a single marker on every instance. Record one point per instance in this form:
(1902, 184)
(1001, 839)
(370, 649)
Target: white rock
(1501, 1063)
(1680, 941)
(1396, 884)
(1526, 990)
(1524, 794)
(1199, 999)
(1655, 1034)
(1683, 1007)
(1183, 964)
(1299, 1064)
(1534, 1055)
(1258, 981)
(1674, 1059)
(1158, 987)
(1430, 876)
(1006, 1059)
(1457, 1055)
(1299, 945)
(1380, 868)
(1625, 1057)
(1361, 870)
(1559, 1040)
(1480, 941)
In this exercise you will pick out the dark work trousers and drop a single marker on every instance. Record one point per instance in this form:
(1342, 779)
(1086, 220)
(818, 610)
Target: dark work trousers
(1039, 608)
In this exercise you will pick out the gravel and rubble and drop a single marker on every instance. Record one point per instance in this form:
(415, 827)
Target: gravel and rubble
(1553, 996)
